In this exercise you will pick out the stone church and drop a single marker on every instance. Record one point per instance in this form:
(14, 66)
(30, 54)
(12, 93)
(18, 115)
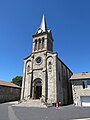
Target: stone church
(45, 76)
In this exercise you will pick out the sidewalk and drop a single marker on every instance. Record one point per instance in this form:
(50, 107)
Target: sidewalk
(11, 103)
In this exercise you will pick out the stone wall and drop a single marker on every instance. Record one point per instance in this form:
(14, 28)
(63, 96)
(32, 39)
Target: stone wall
(54, 75)
(64, 94)
(9, 94)
(51, 77)
(78, 91)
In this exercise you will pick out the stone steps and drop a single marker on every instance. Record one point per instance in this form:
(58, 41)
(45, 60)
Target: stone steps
(31, 103)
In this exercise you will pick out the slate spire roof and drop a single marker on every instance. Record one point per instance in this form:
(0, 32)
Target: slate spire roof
(43, 26)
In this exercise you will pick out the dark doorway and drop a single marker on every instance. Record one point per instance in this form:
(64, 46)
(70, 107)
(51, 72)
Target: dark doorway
(37, 88)
(38, 92)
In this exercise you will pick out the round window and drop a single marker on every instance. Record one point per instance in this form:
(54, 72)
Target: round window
(38, 60)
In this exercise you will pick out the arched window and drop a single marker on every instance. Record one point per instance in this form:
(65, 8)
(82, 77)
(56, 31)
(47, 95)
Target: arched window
(35, 47)
(39, 44)
(42, 42)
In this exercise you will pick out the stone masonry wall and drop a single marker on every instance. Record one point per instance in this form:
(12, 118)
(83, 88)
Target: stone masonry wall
(63, 84)
(51, 75)
(78, 91)
(9, 94)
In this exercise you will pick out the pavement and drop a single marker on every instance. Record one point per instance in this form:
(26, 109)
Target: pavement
(10, 112)
(11, 103)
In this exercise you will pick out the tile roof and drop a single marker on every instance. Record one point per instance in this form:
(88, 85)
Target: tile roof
(80, 76)
(9, 84)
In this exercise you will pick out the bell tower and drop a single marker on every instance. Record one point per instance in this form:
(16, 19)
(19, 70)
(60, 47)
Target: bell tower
(42, 40)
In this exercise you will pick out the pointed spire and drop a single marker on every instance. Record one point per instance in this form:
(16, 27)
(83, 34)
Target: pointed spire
(43, 26)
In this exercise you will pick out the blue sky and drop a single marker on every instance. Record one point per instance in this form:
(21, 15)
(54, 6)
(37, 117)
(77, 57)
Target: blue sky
(69, 21)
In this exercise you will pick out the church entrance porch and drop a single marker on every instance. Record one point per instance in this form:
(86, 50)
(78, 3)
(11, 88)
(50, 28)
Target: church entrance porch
(37, 89)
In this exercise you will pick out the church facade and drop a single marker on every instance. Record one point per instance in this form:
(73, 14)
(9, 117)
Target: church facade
(45, 76)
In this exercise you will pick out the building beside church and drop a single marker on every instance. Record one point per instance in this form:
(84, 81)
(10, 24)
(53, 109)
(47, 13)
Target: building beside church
(9, 92)
(81, 89)
(45, 76)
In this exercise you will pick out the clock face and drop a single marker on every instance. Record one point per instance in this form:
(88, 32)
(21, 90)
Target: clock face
(38, 60)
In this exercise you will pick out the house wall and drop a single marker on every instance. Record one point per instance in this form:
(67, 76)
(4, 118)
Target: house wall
(9, 94)
(78, 91)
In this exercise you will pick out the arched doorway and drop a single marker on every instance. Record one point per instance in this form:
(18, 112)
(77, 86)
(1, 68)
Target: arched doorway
(37, 84)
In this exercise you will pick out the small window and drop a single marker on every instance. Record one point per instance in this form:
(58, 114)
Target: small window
(50, 66)
(85, 84)
(49, 63)
(59, 76)
(38, 60)
(28, 68)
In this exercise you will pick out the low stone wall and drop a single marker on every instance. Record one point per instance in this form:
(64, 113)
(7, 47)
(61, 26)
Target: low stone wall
(8, 94)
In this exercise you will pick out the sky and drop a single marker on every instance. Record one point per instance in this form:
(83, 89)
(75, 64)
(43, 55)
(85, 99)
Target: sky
(69, 21)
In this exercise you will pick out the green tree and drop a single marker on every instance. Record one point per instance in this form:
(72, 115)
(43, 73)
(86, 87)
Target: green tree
(17, 80)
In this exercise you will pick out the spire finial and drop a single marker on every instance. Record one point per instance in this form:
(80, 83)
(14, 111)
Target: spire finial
(43, 26)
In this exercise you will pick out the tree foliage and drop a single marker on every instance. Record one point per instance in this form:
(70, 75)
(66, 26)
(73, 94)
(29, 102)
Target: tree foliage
(17, 80)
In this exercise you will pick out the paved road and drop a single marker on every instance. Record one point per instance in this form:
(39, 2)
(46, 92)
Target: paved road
(9, 112)
(4, 112)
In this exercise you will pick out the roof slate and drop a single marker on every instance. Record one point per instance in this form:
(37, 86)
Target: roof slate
(80, 76)
(9, 84)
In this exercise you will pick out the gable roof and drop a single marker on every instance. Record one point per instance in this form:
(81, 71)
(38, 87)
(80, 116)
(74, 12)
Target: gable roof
(80, 76)
(9, 84)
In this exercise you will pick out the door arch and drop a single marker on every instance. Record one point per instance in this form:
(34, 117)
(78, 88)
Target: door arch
(37, 84)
